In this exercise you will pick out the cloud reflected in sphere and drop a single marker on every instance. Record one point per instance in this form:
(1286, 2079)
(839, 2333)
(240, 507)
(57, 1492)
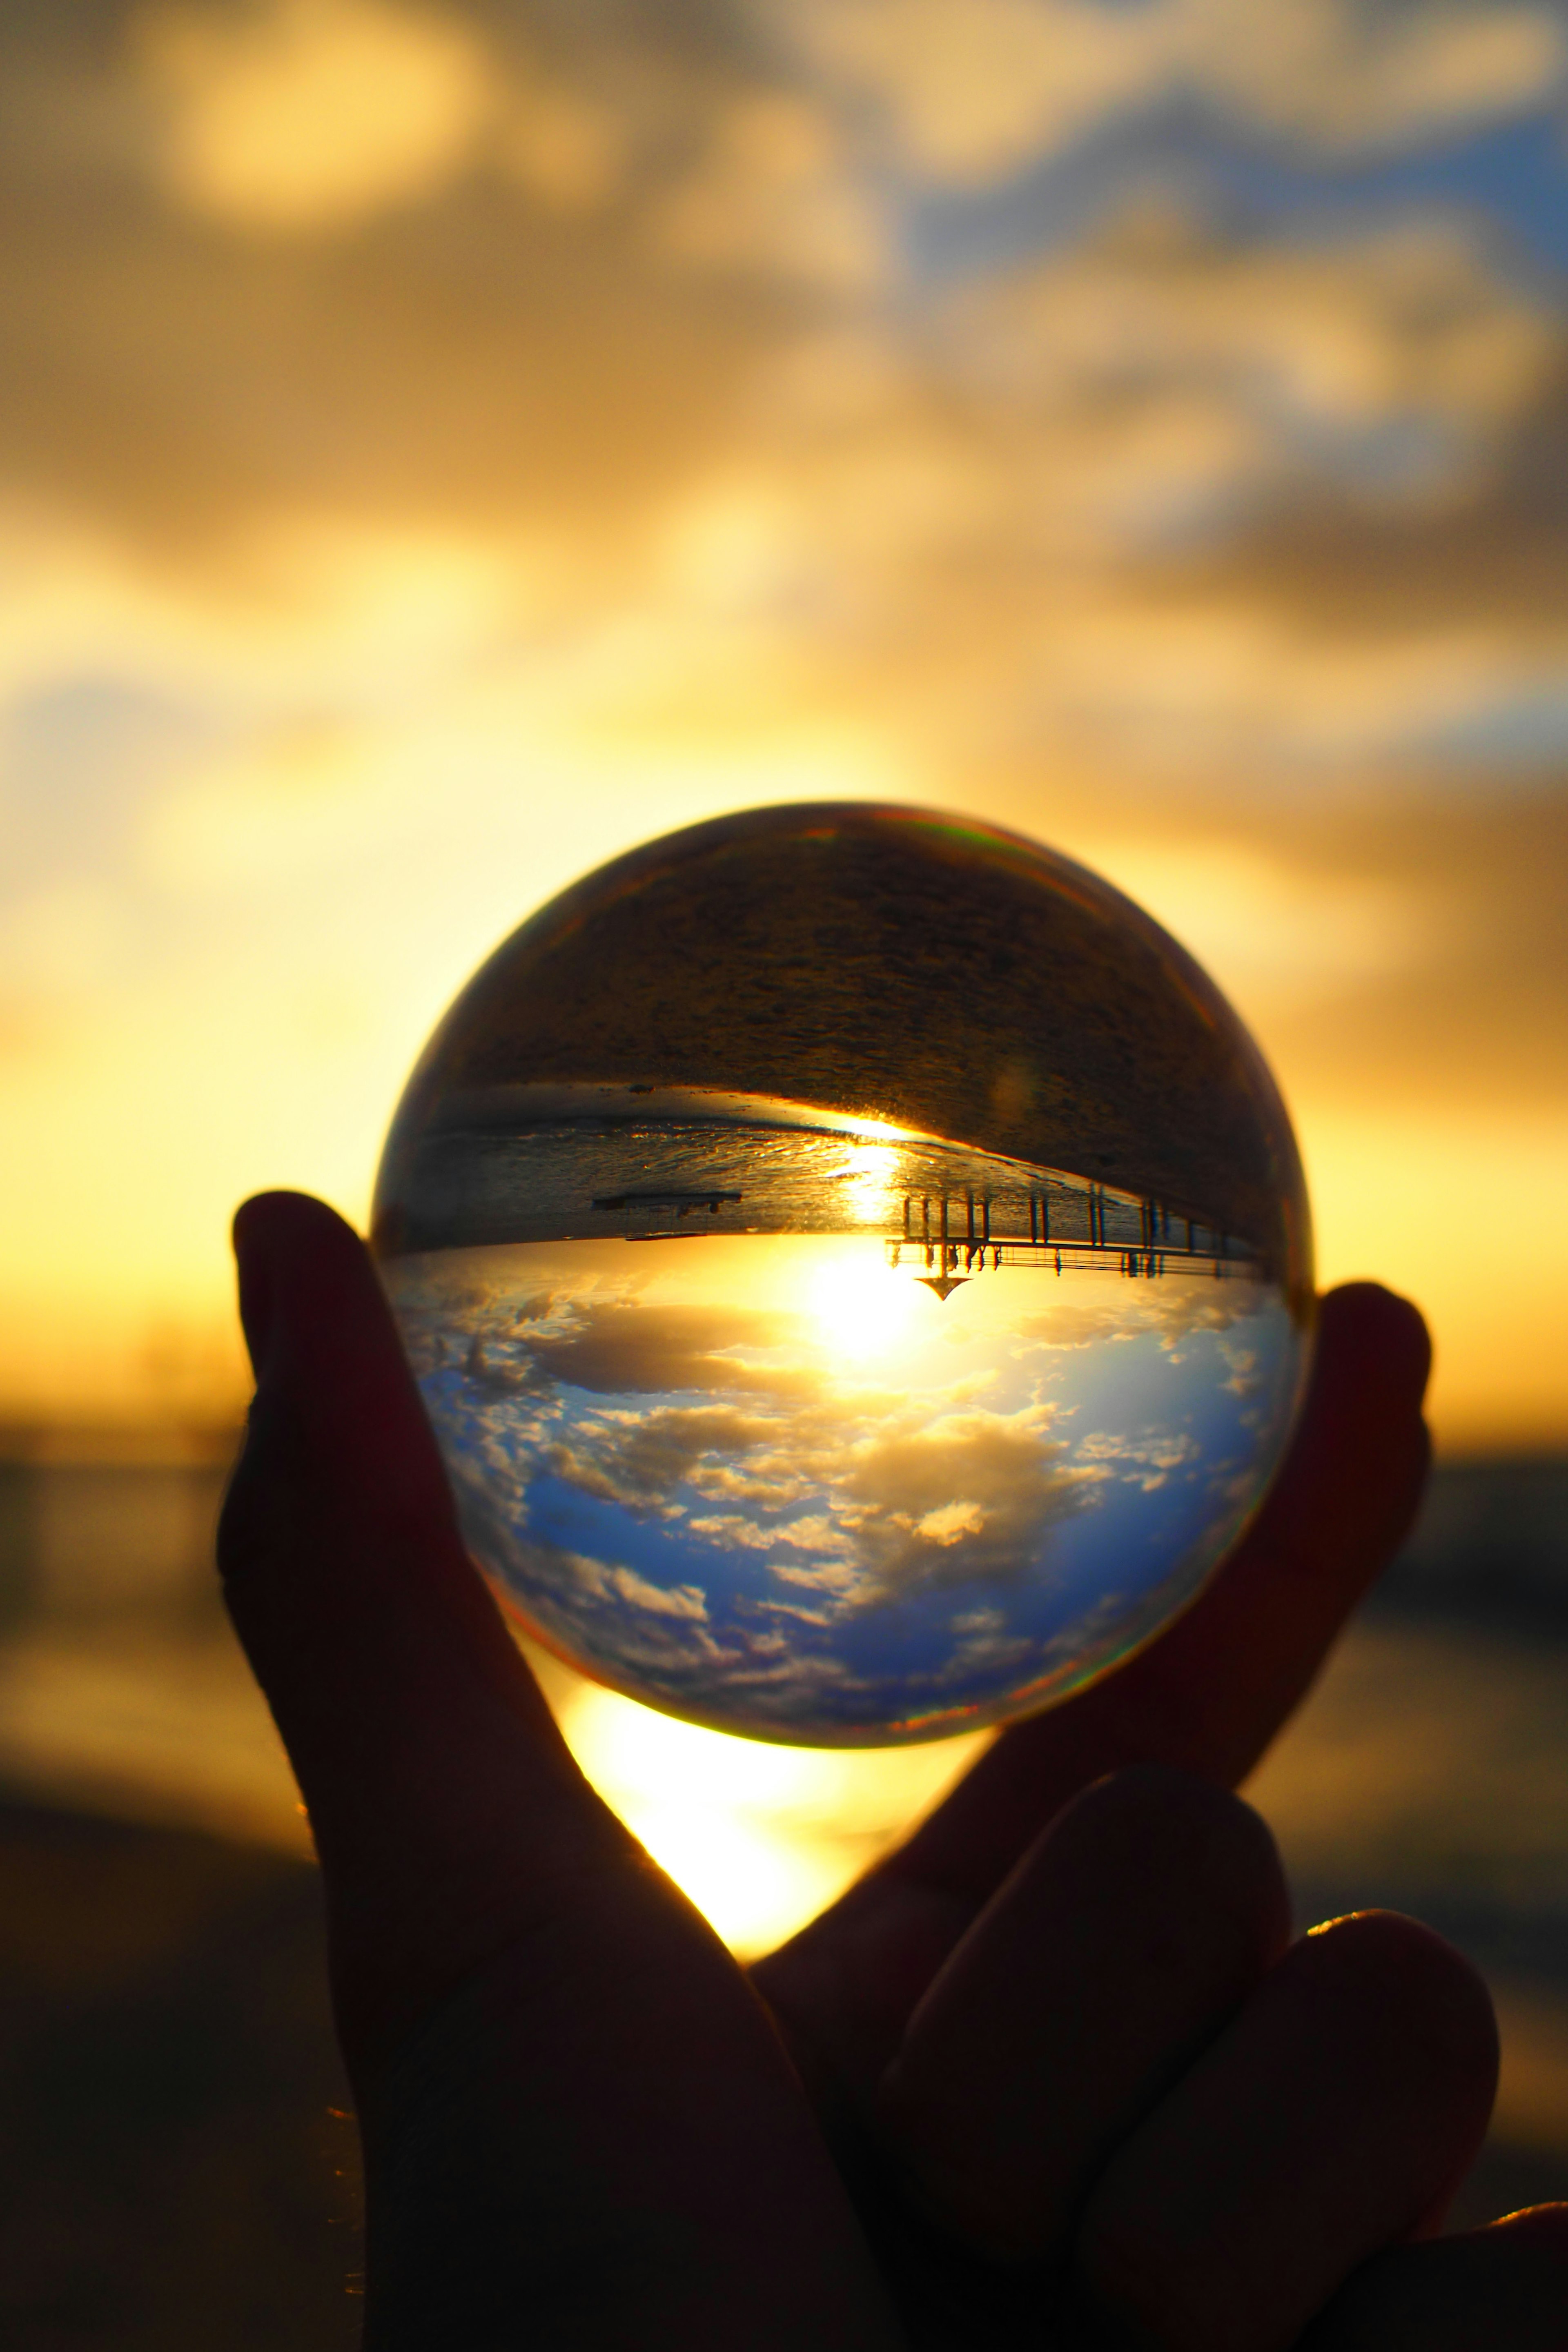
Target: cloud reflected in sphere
(858, 1268)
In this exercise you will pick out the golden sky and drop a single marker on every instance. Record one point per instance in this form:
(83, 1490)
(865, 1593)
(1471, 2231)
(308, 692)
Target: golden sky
(444, 447)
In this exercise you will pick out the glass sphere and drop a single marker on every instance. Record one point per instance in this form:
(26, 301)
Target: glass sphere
(857, 1267)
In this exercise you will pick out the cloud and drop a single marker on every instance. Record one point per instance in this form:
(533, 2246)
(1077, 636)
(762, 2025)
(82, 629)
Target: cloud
(842, 1579)
(815, 1532)
(904, 1492)
(1155, 391)
(620, 1350)
(967, 1496)
(1486, 1021)
(1173, 1309)
(775, 194)
(753, 1540)
(312, 114)
(970, 89)
(1349, 75)
(987, 1648)
(1283, 934)
(1145, 1462)
(561, 1588)
(949, 1523)
(665, 1601)
(1075, 1323)
(1382, 365)
(974, 91)
(638, 1459)
(947, 1499)
(568, 149)
(1055, 412)
(658, 1638)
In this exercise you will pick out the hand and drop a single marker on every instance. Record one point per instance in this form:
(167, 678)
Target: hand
(1048, 2075)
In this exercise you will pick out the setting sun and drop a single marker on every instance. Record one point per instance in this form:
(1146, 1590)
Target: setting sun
(860, 1306)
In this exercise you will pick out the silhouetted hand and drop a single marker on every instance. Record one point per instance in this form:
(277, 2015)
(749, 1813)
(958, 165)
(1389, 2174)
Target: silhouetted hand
(1049, 2076)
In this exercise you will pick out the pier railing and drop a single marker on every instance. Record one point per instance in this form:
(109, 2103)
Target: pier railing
(1061, 1232)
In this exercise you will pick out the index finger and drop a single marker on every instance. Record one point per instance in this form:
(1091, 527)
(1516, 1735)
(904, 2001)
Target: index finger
(1206, 1697)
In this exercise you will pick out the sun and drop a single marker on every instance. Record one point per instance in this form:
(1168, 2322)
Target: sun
(860, 1306)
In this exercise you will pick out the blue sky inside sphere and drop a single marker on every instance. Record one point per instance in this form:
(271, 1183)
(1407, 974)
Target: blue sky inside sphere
(781, 1486)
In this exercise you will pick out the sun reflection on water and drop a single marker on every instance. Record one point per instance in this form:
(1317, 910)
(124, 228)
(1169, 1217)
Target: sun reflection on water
(870, 1184)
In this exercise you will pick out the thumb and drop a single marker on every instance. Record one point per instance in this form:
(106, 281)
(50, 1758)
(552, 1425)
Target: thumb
(442, 1797)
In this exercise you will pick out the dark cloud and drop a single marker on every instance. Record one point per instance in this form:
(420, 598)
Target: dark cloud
(623, 1350)
(478, 357)
(1494, 553)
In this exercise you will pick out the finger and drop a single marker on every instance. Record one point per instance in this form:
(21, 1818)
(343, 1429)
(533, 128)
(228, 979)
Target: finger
(1206, 1697)
(1210, 1694)
(1336, 2115)
(426, 1757)
(577, 2122)
(1140, 1921)
(1503, 2289)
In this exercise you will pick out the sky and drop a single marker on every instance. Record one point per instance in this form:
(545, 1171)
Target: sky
(779, 1485)
(443, 447)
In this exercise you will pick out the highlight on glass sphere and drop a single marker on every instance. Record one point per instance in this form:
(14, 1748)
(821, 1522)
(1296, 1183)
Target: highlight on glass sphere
(858, 1268)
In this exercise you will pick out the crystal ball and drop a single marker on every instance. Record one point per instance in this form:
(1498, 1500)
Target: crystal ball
(858, 1268)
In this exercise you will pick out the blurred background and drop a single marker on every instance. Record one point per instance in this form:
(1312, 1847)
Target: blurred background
(443, 446)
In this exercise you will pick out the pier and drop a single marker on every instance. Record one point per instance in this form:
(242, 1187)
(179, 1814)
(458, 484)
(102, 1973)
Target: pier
(1058, 1230)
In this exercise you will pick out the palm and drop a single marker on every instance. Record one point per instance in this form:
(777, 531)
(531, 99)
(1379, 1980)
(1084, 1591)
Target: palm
(1047, 2054)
